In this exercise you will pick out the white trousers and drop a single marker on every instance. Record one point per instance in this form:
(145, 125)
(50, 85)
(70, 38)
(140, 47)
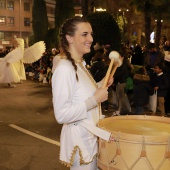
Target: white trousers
(77, 166)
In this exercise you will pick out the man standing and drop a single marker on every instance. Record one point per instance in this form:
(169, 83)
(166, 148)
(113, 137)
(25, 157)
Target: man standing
(152, 58)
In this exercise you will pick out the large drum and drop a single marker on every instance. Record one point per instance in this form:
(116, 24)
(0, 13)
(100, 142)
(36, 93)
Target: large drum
(142, 143)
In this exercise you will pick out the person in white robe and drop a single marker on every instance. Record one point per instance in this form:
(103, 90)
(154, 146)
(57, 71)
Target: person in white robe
(77, 98)
(19, 66)
(8, 73)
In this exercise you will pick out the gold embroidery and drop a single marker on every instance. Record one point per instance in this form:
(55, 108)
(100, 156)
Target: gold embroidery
(87, 72)
(69, 164)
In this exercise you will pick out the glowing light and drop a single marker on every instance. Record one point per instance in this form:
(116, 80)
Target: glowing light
(100, 9)
(80, 15)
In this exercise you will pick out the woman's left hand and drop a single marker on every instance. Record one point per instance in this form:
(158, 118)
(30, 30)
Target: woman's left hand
(110, 82)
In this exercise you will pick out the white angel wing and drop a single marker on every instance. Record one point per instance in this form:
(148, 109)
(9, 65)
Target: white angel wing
(20, 42)
(14, 55)
(34, 53)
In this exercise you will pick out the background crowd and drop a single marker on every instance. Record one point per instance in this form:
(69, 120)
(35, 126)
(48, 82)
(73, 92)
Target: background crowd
(140, 74)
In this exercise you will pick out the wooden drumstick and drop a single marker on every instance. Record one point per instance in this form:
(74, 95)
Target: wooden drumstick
(114, 70)
(118, 64)
(114, 55)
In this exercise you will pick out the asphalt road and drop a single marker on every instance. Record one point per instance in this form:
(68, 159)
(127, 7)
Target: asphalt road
(29, 133)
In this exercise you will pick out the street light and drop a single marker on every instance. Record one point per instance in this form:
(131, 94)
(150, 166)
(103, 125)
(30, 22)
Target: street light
(157, 20)
(123, 10)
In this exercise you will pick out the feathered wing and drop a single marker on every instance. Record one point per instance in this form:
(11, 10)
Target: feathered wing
(14, 55)
(34, 53)
(20, 42)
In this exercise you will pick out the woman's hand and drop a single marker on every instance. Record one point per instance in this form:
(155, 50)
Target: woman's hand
(110, 81)
(101, 94)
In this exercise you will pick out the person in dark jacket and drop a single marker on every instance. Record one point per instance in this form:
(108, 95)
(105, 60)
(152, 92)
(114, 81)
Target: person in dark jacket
(142, 90)
(99, 67)
(137, 56)
(152, 58)
(120, 79)
(160, 84)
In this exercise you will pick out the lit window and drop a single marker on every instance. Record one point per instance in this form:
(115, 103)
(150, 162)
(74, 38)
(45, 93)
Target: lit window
(1, 35)
(2, 4)
(10, 20)
(27, 22)
(2, 20)
(26, 6)
(10, 5)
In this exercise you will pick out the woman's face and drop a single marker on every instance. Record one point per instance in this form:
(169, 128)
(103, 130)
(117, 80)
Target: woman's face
(82, 39)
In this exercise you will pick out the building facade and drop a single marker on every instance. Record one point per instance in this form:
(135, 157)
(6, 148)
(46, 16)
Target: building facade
(15, 21)
(50, 6)
(16, 17)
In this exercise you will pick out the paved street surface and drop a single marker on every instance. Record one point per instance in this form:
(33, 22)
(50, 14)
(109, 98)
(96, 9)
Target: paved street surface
(29, 133)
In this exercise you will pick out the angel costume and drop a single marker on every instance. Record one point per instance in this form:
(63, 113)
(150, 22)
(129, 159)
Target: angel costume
(12, 65)
(8, 73)
(19, 65)
(79, 132)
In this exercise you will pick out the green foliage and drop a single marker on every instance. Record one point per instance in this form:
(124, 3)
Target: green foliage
(121, 21)
(105, 29)
(64, 9)
(143, 6)
(40, 20)
(153, 9)
(51, 39)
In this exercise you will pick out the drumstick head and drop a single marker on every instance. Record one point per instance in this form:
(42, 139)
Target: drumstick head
(114, 55)
(118, 63)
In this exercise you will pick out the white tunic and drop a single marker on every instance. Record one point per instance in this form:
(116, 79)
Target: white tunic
(19, 66)
(79, 125)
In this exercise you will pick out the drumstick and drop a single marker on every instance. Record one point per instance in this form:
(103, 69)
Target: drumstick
(114, 55)
(114, 70)
(118, 64)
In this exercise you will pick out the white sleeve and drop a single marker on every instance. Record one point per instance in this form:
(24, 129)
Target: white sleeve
(100, 83)
(63, 88)
(91, 103)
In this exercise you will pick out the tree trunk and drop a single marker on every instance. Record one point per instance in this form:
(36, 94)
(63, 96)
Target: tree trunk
(158, 32)
(147, 29)
(84, 5)
(40, 20)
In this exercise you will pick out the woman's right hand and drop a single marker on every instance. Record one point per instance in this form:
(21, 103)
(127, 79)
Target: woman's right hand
(101, 94)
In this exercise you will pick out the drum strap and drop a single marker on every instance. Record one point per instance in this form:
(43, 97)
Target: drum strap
(105, 135)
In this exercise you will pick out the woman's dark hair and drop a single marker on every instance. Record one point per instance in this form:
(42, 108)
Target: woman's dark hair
(69, 28)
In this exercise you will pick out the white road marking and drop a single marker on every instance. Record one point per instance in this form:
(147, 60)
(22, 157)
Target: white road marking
(35, 135)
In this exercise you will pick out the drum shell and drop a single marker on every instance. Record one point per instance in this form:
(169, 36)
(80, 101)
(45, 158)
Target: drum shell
(134, 152)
